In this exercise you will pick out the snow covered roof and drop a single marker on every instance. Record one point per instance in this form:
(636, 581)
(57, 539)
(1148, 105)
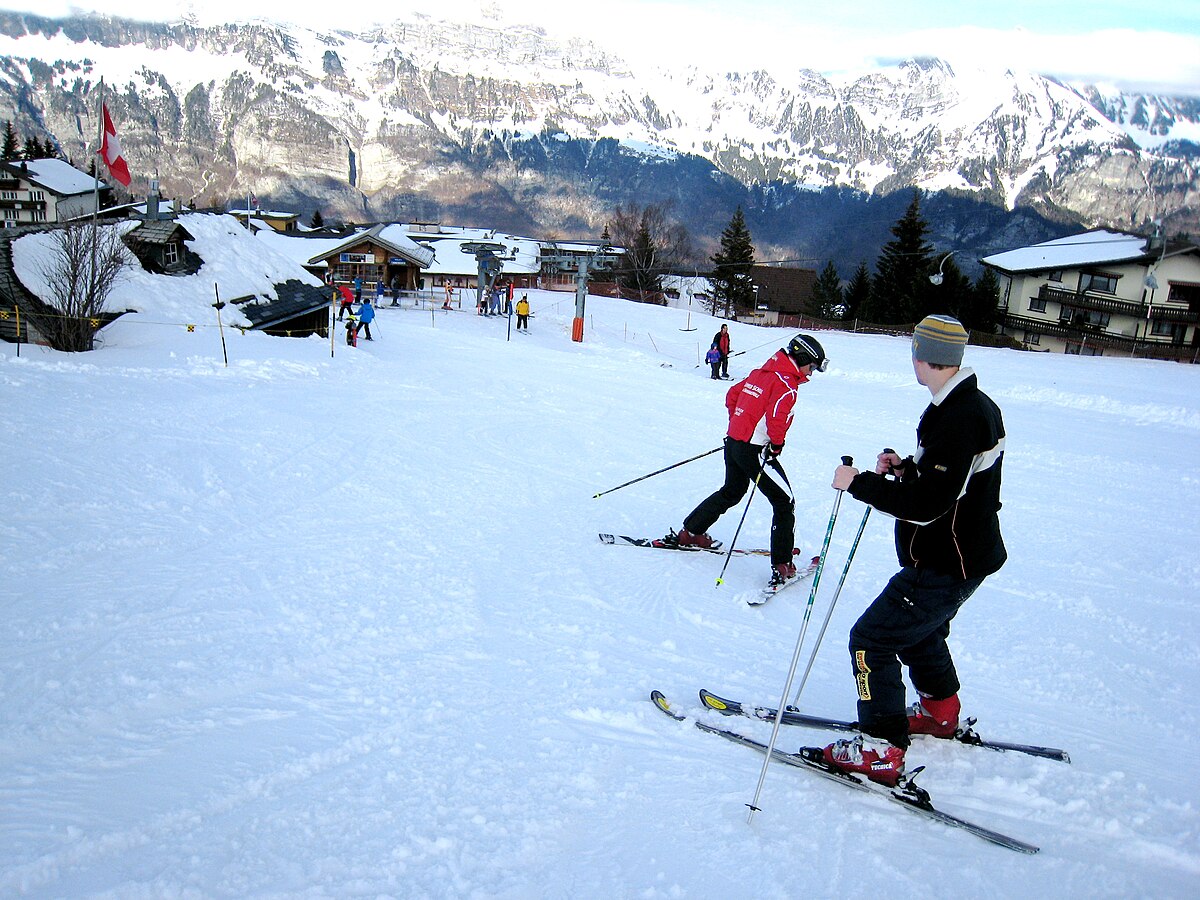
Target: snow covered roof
(55, 175)
(301, 250)
(1088, 249)
(391, 237)
(236, 264)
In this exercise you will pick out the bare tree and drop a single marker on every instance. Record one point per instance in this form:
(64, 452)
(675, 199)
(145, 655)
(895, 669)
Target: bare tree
(83, 267)
(654, 244)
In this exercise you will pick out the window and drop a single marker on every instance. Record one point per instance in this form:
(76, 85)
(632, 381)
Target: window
(171, 253)
(1032, 338)
(1056, 275)
(1037, 304)
(1098, 281)
(8, 195)
(1081, 317)
(1160, 327)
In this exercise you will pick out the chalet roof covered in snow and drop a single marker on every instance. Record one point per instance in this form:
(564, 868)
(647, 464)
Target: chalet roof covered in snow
(1091, 248)
(55, 175)
(393, 238)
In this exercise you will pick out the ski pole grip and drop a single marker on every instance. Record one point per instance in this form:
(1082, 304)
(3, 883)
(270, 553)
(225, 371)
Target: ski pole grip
(891, 469)
(847, 460)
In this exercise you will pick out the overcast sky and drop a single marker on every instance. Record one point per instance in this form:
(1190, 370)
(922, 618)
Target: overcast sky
(1110, 42)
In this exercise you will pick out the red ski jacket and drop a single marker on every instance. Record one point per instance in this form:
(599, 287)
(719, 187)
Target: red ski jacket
(760, 405)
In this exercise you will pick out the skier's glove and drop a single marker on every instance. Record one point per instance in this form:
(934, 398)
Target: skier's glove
(771, 451)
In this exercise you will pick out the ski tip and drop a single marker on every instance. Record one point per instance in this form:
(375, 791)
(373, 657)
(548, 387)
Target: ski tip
(659, 699)
(712, 701)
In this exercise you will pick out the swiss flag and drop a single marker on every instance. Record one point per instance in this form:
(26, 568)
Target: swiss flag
(110, 149)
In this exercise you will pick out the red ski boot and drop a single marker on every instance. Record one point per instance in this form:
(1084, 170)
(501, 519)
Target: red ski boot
(880, 761)
(936, 717)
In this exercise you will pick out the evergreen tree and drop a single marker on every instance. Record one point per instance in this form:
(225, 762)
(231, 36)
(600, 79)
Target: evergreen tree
(730, 278)
(49, 151)
(983, 313)
(317, 220)
(901, 283)
(9, 151)
(32, 149)
(827, 300)
(857, 295)
(643, 277)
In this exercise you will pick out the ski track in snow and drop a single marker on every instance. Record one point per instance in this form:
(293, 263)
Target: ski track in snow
(314, 626)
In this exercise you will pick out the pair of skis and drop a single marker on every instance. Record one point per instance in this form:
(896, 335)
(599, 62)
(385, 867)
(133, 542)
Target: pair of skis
(907, 794)
(753, 598)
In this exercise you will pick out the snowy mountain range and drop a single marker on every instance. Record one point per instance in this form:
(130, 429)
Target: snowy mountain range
(435, 120)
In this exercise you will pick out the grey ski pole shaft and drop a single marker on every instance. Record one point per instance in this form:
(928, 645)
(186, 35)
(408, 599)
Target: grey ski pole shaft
(660, 471)
(787, 687)
(832, 603)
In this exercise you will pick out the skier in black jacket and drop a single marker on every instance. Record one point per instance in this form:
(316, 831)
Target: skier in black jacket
(945, 499)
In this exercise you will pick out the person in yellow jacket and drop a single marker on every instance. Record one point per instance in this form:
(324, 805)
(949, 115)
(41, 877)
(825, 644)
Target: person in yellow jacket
(523, 312)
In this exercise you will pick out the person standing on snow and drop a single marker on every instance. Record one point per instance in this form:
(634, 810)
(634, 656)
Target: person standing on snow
(721, 342)
(760, 414)
(945, 500)
(366, 315)
(523, 313)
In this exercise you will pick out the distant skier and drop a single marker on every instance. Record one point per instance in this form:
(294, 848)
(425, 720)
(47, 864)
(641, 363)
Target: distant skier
(523, 313)
(721, 342)
(713, 358)
(366, 315)
(760, 414)
(945, 501)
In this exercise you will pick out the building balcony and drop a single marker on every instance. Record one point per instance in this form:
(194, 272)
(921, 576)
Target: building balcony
(1153, 347)
(1103, 303)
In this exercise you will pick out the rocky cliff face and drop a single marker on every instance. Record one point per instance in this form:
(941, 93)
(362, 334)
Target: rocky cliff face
(430, 120)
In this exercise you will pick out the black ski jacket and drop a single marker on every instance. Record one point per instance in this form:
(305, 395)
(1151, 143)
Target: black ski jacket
(947, 503)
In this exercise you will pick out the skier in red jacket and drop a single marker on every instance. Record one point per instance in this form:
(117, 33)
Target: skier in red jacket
(760, 413)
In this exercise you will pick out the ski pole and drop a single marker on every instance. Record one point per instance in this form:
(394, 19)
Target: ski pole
(660, 471)
(837, 593)
(787, 687)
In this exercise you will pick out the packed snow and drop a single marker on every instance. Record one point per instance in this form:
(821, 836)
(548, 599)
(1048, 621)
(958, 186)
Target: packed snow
(335, 622)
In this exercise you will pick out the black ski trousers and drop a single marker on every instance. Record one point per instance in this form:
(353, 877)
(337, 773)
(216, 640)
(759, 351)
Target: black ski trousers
(907, 624)
(743, 463)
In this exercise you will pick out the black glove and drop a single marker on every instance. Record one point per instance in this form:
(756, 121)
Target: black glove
(771, 451)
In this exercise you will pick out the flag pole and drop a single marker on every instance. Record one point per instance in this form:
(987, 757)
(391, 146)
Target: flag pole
(96, 201)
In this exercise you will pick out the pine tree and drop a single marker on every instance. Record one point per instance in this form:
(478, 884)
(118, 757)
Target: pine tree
(32, 149)
(857, 295)
(827, 300)
(730, 278)
(645, 278)
(899, 289)
(983, 313)
(317, 220)
(9, 151)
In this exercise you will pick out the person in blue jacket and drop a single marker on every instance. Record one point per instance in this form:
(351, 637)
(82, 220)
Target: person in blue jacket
(366, 315)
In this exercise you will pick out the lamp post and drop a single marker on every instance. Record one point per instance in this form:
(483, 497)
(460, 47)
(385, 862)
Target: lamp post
(938, 277)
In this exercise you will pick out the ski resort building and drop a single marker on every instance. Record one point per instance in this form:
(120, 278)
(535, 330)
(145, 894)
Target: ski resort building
(40, 191)
(1103, 293)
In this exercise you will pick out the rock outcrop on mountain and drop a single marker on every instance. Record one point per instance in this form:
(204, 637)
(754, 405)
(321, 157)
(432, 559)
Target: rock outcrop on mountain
(430, 120)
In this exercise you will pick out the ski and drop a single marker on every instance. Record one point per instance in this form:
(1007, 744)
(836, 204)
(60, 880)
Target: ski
(759, 597)
(964, 735)
(907, 794)
(659, 544)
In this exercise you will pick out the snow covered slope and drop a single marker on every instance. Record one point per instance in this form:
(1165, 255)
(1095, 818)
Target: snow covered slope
(316, 625)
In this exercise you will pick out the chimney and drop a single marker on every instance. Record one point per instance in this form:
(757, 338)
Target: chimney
(152, 202)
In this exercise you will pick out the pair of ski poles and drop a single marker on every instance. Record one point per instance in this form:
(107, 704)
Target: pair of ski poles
(812, 596)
